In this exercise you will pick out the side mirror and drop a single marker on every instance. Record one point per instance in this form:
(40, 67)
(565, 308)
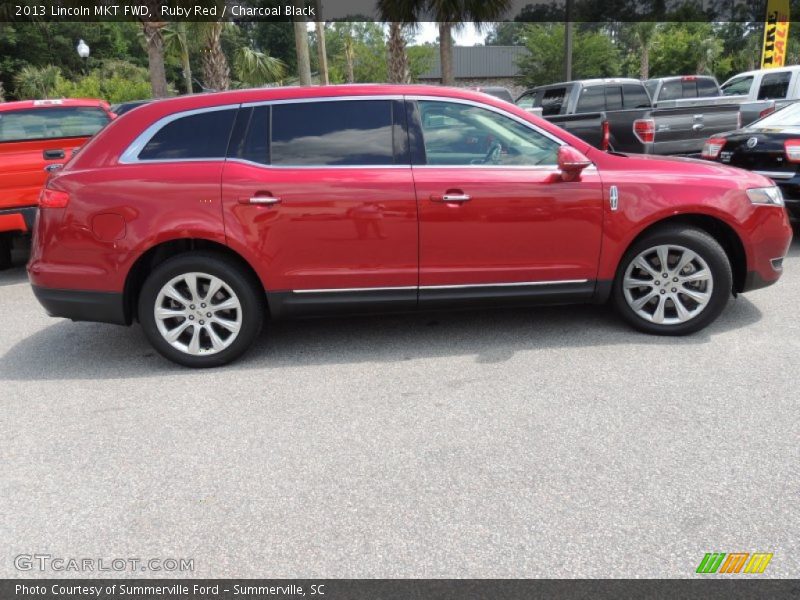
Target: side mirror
(571, 162)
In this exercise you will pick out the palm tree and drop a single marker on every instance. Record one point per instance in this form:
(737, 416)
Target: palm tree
(177, 44)
(644, 33)
(450, 15)
(154, 41)
(254, 68)
(216, 72)
(398, 59)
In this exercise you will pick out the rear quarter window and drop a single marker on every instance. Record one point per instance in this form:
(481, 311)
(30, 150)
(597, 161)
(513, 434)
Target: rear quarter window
(774, 86)
(194, 137)
(51, 123)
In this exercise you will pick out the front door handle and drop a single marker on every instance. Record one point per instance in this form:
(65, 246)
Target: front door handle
(260, 200)
(451, 198)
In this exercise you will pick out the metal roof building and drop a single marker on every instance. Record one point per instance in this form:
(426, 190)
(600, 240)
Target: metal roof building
(480, 62)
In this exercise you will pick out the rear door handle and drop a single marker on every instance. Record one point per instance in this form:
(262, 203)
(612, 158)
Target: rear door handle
(53, 154)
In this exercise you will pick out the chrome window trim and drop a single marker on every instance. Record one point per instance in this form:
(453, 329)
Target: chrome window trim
(251, 163)
(443, 287)
(387, 97)
(131, 153)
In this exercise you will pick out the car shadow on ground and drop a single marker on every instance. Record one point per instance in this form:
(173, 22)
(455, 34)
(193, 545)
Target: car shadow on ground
(67, 350)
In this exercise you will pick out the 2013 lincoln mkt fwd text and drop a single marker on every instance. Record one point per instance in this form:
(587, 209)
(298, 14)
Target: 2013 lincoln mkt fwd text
(199, 216)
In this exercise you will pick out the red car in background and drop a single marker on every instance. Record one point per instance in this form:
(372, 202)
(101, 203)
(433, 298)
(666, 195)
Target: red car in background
(198, 216)
(37, 135)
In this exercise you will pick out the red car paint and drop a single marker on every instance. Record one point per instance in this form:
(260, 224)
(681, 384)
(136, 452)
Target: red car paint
(24, 160)
(374, 228)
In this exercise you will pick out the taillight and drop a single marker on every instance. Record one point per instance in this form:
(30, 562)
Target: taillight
(645, 130)
(766, 111)
(606, 141)
(53, 198)
(792, 149)
(713, 147)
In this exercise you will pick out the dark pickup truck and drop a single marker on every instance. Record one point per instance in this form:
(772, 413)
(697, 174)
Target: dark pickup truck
(617, 114)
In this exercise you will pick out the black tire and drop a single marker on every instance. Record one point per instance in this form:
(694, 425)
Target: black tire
(244, 285)
(6, 244)
(704, 246)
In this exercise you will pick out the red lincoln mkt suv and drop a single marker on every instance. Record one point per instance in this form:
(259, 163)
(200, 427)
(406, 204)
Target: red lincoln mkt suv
(199, 216)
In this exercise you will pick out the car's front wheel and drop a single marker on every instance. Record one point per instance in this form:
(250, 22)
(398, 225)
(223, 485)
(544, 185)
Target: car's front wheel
(201, 309)
(674, 281)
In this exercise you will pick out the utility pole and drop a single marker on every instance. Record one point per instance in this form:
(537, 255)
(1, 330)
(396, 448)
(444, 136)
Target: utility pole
(568, 41)
(301, 47)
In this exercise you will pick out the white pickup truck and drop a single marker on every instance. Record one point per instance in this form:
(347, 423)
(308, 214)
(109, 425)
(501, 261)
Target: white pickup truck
(776, 87)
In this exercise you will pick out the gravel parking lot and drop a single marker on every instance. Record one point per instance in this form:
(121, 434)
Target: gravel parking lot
(552, 442)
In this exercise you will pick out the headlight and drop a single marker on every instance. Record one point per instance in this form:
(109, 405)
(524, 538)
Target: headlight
(768, 195)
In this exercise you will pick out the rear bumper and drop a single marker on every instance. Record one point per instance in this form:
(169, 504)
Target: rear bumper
(20, 218)
(82, 305)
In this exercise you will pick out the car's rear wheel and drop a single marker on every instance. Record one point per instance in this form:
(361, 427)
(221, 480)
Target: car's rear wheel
(201, 309)
(674, 281)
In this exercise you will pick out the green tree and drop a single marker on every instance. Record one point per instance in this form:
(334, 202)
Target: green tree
(594, 54)
(113, 80)
(686, 49)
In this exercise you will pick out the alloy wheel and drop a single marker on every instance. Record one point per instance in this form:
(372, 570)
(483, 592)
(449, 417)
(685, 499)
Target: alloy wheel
(668, 284)
(198, 313)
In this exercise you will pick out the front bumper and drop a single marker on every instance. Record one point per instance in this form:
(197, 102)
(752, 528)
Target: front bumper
(82, 305)
(19, 218)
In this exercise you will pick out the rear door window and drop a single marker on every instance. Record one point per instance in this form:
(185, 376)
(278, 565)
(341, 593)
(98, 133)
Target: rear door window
(552, 101)
(774, 86)
(635, 96)
(192, 137)
(613, 97)
(51, 123)
(592, 99)
(250, 138)
(334, 133)
(671, 90)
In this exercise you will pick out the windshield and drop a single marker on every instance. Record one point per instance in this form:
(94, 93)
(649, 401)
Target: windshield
(785, 117)
(51, 123)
